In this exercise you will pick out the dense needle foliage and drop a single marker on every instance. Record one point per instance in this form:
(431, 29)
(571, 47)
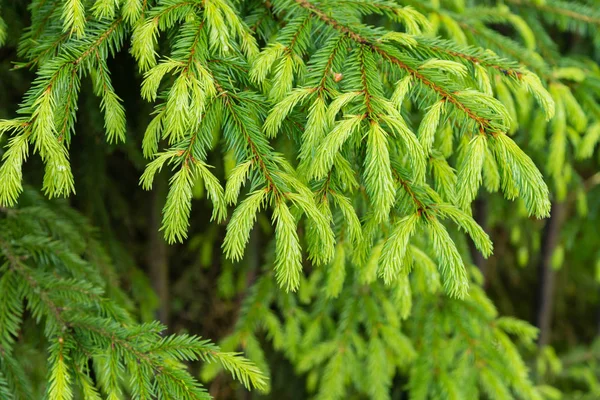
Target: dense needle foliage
(323, 182)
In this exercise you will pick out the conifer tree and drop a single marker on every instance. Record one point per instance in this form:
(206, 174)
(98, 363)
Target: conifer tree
(337, 152)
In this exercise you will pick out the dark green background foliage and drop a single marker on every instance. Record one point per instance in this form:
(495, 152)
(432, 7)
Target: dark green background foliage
(367, 199)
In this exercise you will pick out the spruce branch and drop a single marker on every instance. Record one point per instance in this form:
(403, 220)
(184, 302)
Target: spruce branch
(578, 12)
(485, 125)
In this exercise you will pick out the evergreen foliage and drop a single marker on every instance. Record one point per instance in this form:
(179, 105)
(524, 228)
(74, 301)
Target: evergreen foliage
(352, 136)
(57, 275)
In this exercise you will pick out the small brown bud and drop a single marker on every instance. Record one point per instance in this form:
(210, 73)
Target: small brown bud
(338, 76)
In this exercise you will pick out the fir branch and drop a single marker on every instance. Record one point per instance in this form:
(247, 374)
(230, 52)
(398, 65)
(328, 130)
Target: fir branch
(17, 266)
(257, 156)
(483, 123)
(470, 55)
(578, 12)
